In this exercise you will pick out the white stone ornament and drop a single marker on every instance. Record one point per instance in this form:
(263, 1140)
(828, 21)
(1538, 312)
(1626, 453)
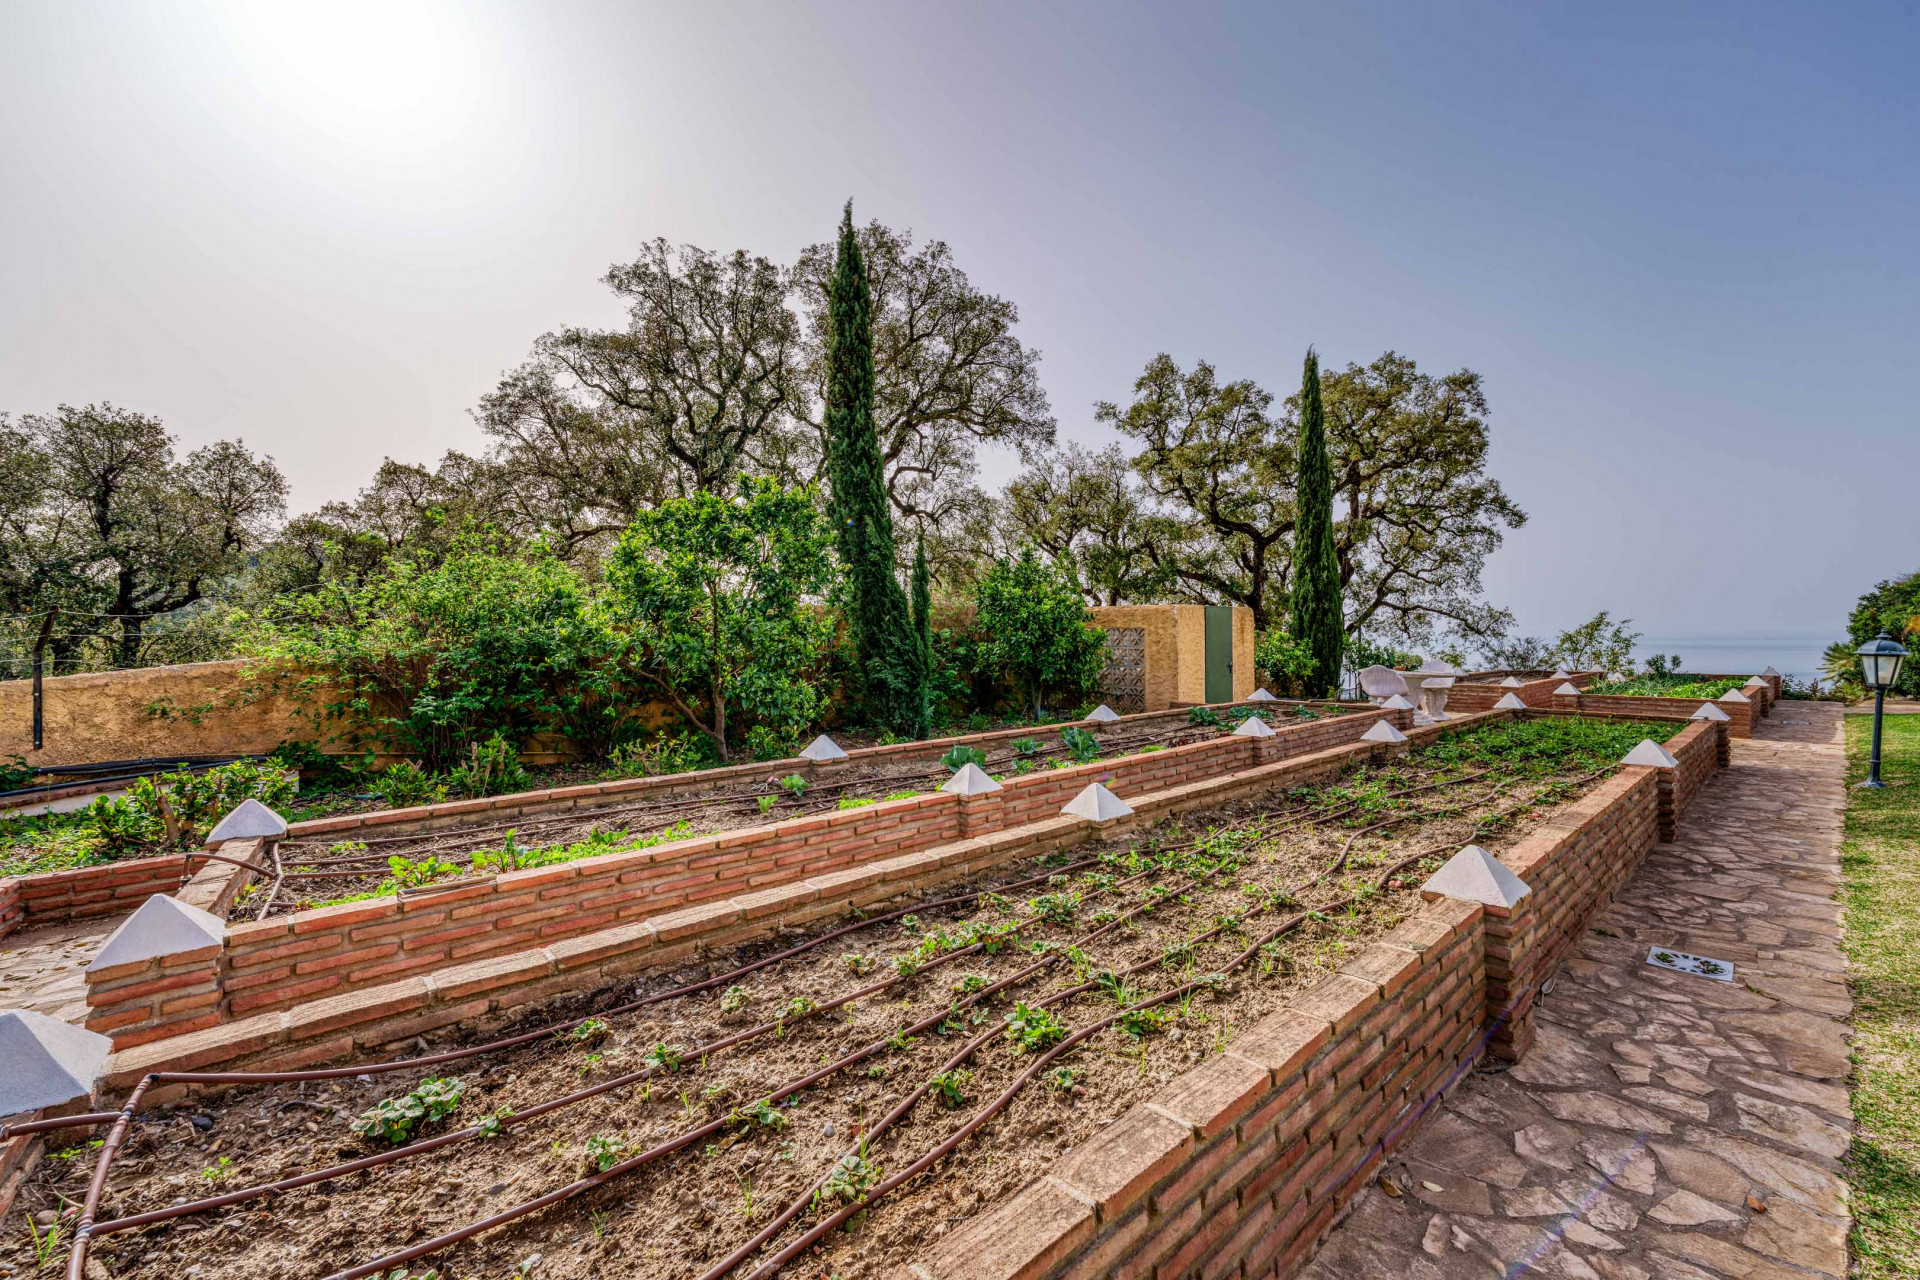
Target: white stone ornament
(49, 1062)
(163, 926)
(1103, 714)
(250, 820)
(1261, 695)
(1509, 702)
(1474, 875)
(1559, 674)
(1567, 690)
(1512, 682)
(1650, 753)
(1382, 682)
(1708, 711)
(1097, 805)
(1254, 727)
(823, 749)
(1383, 731)
(969, 780)
(1771, 673)
(1734, 695)
(1752, 681)
(1397, 703)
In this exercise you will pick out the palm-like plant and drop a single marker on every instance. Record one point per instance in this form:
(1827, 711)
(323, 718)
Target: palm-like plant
(1840, 665)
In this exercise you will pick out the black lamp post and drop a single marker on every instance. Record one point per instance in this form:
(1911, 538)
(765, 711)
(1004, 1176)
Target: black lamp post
(1880, 661)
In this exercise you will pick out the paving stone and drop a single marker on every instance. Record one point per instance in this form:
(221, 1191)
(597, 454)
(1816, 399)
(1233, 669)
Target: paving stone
(1642, 1081)
(1685, 1209)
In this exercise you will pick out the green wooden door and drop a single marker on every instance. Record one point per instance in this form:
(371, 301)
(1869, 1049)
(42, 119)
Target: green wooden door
(1219, 653)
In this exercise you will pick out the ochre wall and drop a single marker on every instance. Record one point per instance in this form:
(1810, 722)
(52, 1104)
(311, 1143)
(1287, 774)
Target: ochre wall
(197, 709)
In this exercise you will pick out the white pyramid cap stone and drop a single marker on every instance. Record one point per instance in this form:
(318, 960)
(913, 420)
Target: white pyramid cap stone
(822, 749)
(1512, 682)
(1734, 695)
(1560, 674)
(49, 1062)
(1474, 875)
(1261, 695)
(1097, 804)
(1771, 672)
(1103, 714)
(1752, 681)
(1254, 727)
(969, 780)
(1708, 711)
(1509, 703)
(163, 926)
(1567, 690)
(1650, 753)
(251, 820)
(1383, 731)
(1397, 702)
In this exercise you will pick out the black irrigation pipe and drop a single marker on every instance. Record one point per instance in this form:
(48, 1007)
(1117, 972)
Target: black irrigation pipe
(116, 1137)
(412, 1253)
(605, 1086)
(1050, 957)
(948, 1145)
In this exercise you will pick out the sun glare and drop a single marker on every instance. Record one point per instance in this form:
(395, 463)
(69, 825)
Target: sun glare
(392, 73)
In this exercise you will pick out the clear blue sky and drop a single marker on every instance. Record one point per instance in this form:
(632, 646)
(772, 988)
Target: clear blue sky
(1681, 243)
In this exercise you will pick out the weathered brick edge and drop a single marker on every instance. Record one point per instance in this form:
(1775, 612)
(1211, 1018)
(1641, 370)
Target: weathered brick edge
(285, 960)
(1240, 1167)
(486, 993)
(1480, 696)
(625, 790)
(58, 897)
(1741, 716)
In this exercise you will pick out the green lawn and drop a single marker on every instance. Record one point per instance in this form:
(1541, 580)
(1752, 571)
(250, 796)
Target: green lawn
(1880, 860)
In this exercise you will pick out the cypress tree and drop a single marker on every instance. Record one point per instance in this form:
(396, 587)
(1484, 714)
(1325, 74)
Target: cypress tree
(1318, 621)
(922, 602)
(876, 608)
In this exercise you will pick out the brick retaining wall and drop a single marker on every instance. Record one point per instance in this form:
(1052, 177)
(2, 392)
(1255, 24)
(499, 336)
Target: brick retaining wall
(1241, 1166)
(1480, 695)
(489, 991)
(286, 960)
(57, 897)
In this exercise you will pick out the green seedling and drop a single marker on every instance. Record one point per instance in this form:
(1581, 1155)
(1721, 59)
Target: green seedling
(1026, 746)
(1031, 1030)
(950, 1087)
(664, 1057)
(858, 962)
(1064, 1079)
(1081, 745)
(734, 999)
(745, 1182)
(1203, 716)
(794, 785)
(219, 1171)
(968, 983)
(602, 1153)
(855, 802)
(395, 1120)
(798, 1007)
(962, 756)
(493, 1125)
(848, 1182)
(46, 1244)
(592, 1031)
(1138, 1024)
(766, 803)
(764, 1113)
(900, 1041)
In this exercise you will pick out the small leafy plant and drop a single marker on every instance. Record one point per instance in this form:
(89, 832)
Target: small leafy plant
(219, 1171)
(664, 1057)
(493, 1124)
(766, 803)
(962, 756)
(1064, 1079)
(1026, 746)
(1081, 745)
(1141, 1023)
(395, 1120)
(950, 1087)
(968, 983)
(764, 1113)
(794, 785)
(1203, 716)
(858, 962)
(1031, 1030)
(848, 1182)
(602, 1153)
(734, 999)
(590, 1032)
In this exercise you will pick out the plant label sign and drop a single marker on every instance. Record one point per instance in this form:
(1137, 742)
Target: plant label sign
(1699, 966)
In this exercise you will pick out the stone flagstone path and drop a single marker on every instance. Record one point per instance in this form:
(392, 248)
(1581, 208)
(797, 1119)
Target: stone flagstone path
(45, 969)
(1664, 1125)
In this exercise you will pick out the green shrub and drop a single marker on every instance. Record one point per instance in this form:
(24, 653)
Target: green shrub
(405, 784)
(1081, 745)
(1031, 1030)
(492, 768)
(121, 825)
(15, 773)
(1671, 685)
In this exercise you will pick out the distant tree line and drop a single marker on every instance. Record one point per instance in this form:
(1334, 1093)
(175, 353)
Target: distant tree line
(857, 383)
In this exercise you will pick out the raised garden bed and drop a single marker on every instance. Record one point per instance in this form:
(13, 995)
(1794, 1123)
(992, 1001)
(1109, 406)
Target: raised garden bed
(1272, 894)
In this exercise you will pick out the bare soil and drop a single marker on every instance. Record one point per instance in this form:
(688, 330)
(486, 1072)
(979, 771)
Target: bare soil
(678, 1215)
